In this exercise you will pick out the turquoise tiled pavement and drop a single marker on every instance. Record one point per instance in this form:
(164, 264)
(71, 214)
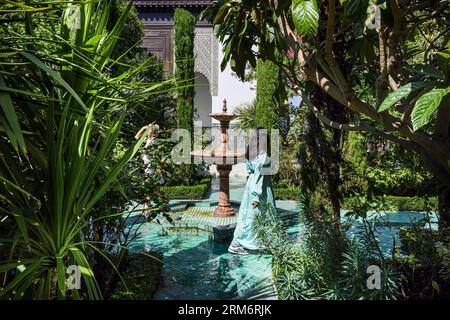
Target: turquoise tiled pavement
(199, 268)
(195, 267)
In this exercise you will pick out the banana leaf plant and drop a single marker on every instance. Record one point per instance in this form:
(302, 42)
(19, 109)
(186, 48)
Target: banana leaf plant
(61, 113)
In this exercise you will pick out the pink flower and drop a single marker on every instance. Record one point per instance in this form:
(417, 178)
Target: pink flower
(290, 53)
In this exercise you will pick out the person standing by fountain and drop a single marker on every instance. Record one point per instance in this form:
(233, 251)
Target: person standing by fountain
(258, 194)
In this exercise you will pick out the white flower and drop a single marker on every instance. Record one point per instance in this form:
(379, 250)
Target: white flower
(72, 17)
(146, 158)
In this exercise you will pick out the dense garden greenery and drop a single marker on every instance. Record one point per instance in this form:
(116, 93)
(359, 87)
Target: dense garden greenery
(184, 28)
(390, 81)
(64, 97)
(371, 134)
(268, 95)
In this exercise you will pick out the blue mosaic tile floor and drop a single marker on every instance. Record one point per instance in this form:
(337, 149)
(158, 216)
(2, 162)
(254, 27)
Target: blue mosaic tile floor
(198, 268)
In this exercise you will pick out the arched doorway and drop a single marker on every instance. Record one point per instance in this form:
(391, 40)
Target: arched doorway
(202, 100)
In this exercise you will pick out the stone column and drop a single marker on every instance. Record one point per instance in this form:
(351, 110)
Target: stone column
(224, 209)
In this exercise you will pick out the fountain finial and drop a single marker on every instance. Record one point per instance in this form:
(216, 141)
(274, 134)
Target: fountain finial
(224, 108)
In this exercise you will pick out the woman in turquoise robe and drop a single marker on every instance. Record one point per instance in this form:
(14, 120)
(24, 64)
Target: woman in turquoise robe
(257, 195)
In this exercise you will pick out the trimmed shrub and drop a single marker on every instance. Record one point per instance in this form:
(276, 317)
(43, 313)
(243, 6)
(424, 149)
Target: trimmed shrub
(195, 192)
(394, 203)
(286, 193)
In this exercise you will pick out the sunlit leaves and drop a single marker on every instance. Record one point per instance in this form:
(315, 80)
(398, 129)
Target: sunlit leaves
(400, 93)
(54, 89)
(305, 14)
(426, 105)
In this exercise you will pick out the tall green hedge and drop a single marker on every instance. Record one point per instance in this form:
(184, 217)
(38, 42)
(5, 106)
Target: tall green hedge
(184, 28)
(268, 94)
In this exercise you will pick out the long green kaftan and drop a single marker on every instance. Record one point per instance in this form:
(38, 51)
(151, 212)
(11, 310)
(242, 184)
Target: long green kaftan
(258, 188)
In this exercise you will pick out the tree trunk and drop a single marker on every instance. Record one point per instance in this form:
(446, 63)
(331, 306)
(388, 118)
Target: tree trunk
(329, 152)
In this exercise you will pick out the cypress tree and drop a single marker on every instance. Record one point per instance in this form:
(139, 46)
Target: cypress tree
(184, 28)
(269, 94)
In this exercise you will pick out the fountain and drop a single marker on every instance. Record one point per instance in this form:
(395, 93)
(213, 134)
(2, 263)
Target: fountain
(222, 158)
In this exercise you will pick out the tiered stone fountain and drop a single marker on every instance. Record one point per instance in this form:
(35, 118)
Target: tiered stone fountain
(222, 158)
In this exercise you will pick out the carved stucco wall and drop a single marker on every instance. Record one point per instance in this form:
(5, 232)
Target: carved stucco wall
(206, 48)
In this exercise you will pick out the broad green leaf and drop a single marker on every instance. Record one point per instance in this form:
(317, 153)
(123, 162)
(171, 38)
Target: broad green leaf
(223, 11)
(425, 106)
(427, 70)
(305, 14)
(93, 42)
(401, 93)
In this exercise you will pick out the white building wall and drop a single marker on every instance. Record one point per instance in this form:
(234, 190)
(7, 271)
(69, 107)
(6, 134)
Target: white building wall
(231, 88)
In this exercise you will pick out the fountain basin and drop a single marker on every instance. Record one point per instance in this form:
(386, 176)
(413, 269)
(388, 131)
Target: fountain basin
(219, 157)
(223, 116)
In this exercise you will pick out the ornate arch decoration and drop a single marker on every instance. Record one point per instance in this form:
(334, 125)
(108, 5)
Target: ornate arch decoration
(206, 48)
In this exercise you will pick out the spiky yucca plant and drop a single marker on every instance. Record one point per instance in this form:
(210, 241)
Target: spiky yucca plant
(61, 113)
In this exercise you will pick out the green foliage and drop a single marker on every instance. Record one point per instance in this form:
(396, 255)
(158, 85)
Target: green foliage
(355, 9)
(305, 14)
(188, 192)
(269, 97)
(233, 25)
(401, 93)
(376, 166)
(398, 203)
(246, 118)
(56, 77)
(426, 105)
(318, 155)
(155, 108)
(290, 193)
(133, 31)
(142, 274)
(184, 28)
(425, 70)
(400, 182)
(322, 264)
(426, 266)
